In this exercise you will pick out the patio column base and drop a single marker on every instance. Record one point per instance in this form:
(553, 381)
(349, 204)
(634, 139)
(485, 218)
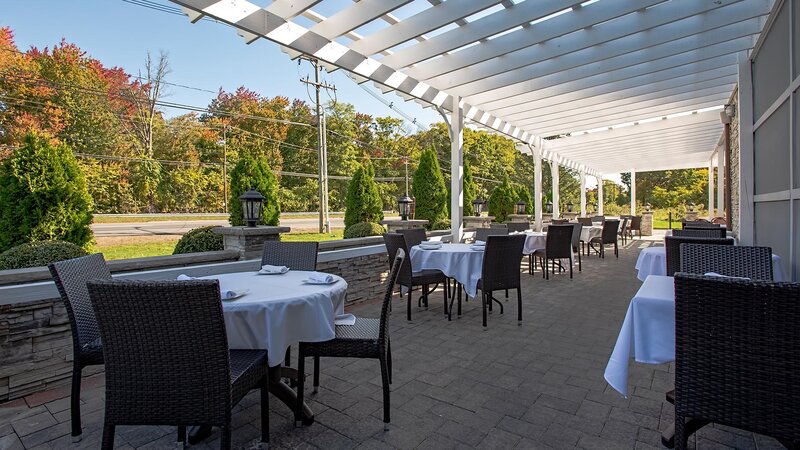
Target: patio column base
(249, 241)
(547, 217)
(647, 223)
(393, 225)
(477, 221)
(691, 216)
(519, 218)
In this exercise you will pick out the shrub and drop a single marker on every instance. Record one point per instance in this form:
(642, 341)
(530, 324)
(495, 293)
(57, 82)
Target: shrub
(501, 202)
(363, 229)
(43, 196)
(198, 240)
(429, 189)
(441, 224)
(363, 198)
(525, 195)
(254, 173)
(38, 253)
(470, 190)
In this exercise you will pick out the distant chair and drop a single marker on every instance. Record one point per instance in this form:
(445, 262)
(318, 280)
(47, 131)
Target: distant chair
(518, 226)
(482, 233)
(673, 249)
(635, 225)
(294, 255)
(500, 271)
(727, 260)
(585, 221)
(598, 219)
(558, 246)
(623, 231)
(414, 236)
(70, 277)
(702, 232)
(698, 223)
(167, 358)
(576, 242)
(409, 279)
(497, 225)
(608, 236)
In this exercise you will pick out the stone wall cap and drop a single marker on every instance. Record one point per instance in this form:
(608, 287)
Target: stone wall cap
(411, 221)
(251, 231)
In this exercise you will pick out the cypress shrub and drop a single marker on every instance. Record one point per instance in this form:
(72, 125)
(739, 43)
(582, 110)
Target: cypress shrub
(254, 173)
(429, 189)
(470, 189)
(363, 201)
(43, 195)
(525, 195)
(198, 240)
(501, 202)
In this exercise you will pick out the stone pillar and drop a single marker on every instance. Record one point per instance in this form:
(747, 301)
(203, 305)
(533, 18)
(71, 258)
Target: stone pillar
(477, 221)
(249, 241)
(519, 218)
(691, 216)
(394, 225)
(647, 223)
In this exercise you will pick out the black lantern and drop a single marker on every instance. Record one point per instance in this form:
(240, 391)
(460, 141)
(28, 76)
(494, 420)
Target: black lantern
(519, 208)
(477, 206)
(404, 206)
(647, 207)
(549, 207)
(569, 206)
(691, 206)
(252, 200)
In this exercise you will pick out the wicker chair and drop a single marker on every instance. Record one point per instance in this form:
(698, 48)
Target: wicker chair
(635, 225)
(294, 255)
(736, 359)
(559, 221)
(558, 246)
(414, 236)
(698, 223)
(518, 226)
(702, 232)
(70, 277)
(500, 271)
(482, 233)
(497, 225)
(576, 242)
(728, 260)
(623, 230)
(408, 279)
(609, 236)
(598, 219)
(368, 338)
(673, 249)
(167, 357)
(585, 221)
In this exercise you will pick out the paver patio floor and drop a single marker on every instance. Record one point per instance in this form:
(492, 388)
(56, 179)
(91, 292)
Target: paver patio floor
(535, 385)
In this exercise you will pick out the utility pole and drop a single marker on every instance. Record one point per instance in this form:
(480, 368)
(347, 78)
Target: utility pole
(322, 154)
(224, 143)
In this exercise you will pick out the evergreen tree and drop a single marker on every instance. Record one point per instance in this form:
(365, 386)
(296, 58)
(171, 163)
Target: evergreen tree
(43, 195)
(525, 195)
(502, 200)
(363, 198)
(429, 189)
(470, 189)
(253, 173)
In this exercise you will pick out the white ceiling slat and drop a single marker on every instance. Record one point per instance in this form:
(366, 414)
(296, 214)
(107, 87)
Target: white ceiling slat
(288, 9)
(354, 16)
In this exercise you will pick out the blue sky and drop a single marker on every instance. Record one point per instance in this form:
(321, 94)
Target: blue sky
(206, 55)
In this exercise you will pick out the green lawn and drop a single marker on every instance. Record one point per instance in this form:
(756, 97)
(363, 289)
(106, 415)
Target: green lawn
(136, 250)
(308, 237)
(664, 224)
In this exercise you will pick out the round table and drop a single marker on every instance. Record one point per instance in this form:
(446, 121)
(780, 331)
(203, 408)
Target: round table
(534, 240)
(458, 261)
(653, 261)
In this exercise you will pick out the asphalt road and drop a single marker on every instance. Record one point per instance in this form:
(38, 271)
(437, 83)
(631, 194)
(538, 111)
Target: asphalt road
(180, 227)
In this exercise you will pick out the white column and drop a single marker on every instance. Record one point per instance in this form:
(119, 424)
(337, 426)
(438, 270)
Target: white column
(456, 170)
(711, 188)
(720, 183)
(556, 201)
(633, 192)
(599, 194)
(583, 194)
(537, 187)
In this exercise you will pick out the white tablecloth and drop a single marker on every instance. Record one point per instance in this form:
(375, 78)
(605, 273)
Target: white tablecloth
(653, 261)
(457, 261)
(588, 233)
(280, 310)
(534, 240)
(648, 331)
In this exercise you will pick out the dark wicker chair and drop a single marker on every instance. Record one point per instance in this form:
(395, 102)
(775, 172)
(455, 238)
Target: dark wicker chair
(167, 358)
(609, 236)
(703, 232)
(500, 271)
(623, 230)
(585, 221)
(409, 279)
(635, 225)
(482, 233)
(518, 226)
(559, 221)
(294, 255)
(497, 225)
(576, 242)
(558, 246)
(414, 236)
(598, 219)
(368, 338)
(673, 249)
(698, 223)
(736, 358)
(70, 277)
(728, 260)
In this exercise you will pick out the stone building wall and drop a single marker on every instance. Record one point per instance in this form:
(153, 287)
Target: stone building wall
(734, 138)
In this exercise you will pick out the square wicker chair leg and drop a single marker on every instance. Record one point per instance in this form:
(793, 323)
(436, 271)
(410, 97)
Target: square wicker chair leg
(75, 402)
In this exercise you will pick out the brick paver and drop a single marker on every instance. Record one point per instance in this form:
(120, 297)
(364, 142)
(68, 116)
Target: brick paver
(538, 384)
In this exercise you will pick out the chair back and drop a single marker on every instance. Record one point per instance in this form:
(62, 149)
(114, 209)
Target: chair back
(636, 223)
(610, 230)
(501, 262)
(585, 221)
(673, 249)
(624, 228)
(70, 277)
(482, 233)
(518, 226)
(577, 228)
(599, 219)
(736, 358)
(294, 255)
(559, 221)
(497, 225)
(166, 351)
(394, 273)
(394, 243)
(701, 232)
(559, 240)
(728, 260)
(414, 236)
(698, 223)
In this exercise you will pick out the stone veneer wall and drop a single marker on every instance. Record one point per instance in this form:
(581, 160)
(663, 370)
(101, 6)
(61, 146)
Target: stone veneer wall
(36, 342)
(734, 138)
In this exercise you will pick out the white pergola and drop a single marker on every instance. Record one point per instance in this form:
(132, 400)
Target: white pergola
(625, 85)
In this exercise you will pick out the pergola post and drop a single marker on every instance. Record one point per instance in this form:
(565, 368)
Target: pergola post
(556, 201)
(537, 186)
(599, 194)
(456, 170)
(633, 192)
(583, 194)
(720, 184)
(711, 188)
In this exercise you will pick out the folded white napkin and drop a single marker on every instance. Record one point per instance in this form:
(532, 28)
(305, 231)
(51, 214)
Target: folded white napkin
(269, 268)
(479, 243)
(345, 319)
(319, 277)
(222, 293)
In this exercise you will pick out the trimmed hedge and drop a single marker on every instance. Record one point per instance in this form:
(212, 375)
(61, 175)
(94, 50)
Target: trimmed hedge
(254, 172)
(429, 189)
(502, 200)
(198, 240)
(363, 198)
(38, 253)
(363, 229)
